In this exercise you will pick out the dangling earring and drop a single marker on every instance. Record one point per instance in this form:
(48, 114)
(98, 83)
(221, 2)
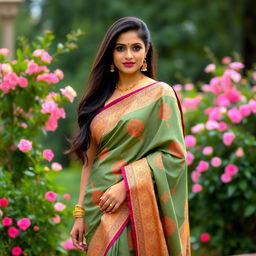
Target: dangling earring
(144, 66)
(112, 68)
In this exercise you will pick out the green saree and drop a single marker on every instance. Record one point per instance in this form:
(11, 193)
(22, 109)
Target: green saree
(140, 139)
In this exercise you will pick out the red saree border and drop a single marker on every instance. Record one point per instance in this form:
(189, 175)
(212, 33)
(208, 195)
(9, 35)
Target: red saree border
(125, 96)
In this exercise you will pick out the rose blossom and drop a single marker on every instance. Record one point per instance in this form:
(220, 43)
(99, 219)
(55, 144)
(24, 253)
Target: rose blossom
(196, 188)
(240, 152)
(13, 232)
(56, 219)
(222, 126)
(254, 75)
(252, 104)
(7, 221)
(188, 87)
(222, 100)
(235, 115)
(4, 51)
(68, 245)
(245, 110)
(202, 166)
(211, 125)
(3, 202)
(205, 237)
(208, 150)
(48, 154)
(59, 74)
(43, 55)
(231, 169)
(209, 68)
(225, 178)
(24, 145)
(226, 60)
(195, 176)
(51, 124)
(178, 87)
(216, 161)
(24, 223)
(50, 196)
(228, 138)
(23, 82)
(69, 92)
(197, 128)
(56, 166)
(190, 141)
(67, 196)
(59, 206)
(236, 65)
(49, 78)
(190, 158)
(36, 228)
(16, 251)
(206, 88)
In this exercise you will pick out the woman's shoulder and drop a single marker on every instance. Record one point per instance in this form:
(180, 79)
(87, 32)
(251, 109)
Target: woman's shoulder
(165, 88)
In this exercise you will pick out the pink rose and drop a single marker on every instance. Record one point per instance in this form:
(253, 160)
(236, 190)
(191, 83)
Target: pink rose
(16, 251)
(36, 228)
(68, 245)
(209, 68)
(228, 138)
(222, 126)
(3, 202)
(222, 100)
(252, 104)
(195, 176)
(188, 87)
(4, 51)
(235, 76)
(225, 178)
(215, 85)
(190, 158)
(56, 166)
(24, 223)
(254, 75)
(59, 74)
(196, 188)
(51, 124)
(5, 87)
(240, 152)
(202, 166)
(226, 60)
(43, 55)
(48, 154)
(59, 206)
(215, 114)
(205, 237)
(58, 113)
(48, 106)
(216, 161)
(231, 169)
(211, 125)
(236, 65)
(233, 95)
(24, 145)
(7, 221)
(32, 68)
(208, 150)
(177, 87)
(191, 103)
(12, 79)
(197, 128)
(56, 219)
(245, 110)
(190, 141)
(13, 232)
(254, 87)
(50, 196)
(235, 115)
(23, 82)
(69, 92)
(67, 196)
(49, 78)
(206, 88)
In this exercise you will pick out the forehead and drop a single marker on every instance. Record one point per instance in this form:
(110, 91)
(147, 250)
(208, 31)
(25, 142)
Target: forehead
(129, 37)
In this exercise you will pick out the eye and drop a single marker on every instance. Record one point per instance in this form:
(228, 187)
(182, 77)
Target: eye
(119, 48)
(137, 48)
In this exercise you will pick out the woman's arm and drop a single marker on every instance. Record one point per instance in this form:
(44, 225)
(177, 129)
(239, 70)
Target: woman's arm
(91, 152)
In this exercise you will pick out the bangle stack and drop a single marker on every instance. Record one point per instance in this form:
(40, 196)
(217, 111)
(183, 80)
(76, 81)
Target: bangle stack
(79, 212)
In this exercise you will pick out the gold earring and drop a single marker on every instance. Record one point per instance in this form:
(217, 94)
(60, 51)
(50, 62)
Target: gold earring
(144, 66)
(112, 68)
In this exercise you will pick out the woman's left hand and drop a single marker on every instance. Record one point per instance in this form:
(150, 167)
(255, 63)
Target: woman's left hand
(113, 197)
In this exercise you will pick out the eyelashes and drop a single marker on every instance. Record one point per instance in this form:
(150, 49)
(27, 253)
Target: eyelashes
(123, 48)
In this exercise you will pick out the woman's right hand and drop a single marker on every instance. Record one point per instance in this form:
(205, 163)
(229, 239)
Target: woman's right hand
(77, 234)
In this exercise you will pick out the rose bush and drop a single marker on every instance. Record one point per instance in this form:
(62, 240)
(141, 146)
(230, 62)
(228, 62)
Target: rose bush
(221, 145)
(33, 213)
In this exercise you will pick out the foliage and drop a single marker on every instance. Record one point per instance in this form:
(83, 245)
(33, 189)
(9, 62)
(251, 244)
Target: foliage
(221, 143)
(31, 205)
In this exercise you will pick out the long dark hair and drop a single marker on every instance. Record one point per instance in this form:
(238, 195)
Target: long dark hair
(101, 83)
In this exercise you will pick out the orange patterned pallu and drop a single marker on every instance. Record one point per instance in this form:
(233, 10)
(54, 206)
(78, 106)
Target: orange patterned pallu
(141, 141)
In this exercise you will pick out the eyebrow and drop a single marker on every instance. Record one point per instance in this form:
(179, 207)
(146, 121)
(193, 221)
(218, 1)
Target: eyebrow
(125, 44)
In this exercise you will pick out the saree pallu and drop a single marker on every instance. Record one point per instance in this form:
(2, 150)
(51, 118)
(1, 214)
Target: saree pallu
(140, 140)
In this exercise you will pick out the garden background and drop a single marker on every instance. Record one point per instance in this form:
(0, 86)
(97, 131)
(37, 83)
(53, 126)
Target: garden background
(219, 105)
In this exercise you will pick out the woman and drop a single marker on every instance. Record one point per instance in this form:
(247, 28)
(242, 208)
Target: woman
(133, 190)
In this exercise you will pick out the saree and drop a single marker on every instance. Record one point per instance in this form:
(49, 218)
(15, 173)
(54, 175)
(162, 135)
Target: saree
(140, 139)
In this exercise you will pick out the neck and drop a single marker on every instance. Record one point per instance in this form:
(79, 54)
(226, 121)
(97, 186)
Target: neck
(127, 79)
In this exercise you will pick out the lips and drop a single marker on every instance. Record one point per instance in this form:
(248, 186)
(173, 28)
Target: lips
(128, 64)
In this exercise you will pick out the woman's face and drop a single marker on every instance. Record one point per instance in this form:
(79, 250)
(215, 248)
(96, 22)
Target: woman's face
(129, 52)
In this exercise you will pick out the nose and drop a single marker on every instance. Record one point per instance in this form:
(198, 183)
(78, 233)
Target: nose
(128, 54)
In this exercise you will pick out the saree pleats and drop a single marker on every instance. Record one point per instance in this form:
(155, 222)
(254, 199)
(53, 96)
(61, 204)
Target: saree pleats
(140, 140)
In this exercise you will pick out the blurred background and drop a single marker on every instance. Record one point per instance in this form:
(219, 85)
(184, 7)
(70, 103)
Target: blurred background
(184, 33)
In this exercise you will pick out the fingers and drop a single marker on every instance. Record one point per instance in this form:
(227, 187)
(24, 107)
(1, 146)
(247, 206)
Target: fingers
(114, 209)
(75, 237)
(108, 205)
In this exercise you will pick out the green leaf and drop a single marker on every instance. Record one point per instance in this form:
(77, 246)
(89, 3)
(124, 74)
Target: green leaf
(28, 173)
(249, 210)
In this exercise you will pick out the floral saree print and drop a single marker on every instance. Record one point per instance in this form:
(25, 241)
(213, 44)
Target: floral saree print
(140, 138)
